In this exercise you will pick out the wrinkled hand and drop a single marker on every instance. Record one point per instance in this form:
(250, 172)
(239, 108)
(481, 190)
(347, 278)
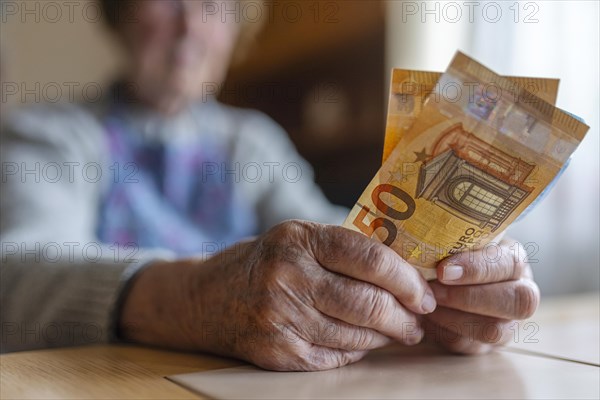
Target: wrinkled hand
(304, 296)
(480, 294)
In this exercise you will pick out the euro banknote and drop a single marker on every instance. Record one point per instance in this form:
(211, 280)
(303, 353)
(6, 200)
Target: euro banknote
(479, 151)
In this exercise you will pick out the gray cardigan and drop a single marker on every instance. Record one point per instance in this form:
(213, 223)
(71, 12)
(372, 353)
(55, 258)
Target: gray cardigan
(59, 285)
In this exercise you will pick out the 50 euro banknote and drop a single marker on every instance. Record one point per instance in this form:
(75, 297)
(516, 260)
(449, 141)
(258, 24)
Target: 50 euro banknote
(480, 150)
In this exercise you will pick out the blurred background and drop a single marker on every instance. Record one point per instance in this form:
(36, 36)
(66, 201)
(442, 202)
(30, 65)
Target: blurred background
(321, 70)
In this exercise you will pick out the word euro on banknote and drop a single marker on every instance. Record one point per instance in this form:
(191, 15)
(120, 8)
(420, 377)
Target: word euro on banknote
(480, 151)
(410, 88)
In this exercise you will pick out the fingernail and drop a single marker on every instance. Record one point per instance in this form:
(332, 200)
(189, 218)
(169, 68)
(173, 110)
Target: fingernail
(428, 304)
(452, 272)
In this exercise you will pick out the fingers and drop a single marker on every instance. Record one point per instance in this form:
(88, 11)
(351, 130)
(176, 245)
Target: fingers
(320, 358)
(469, 327)
(304, 357)
(349, 253)
(479, 293)
(337, 334)
(495, 262)
(509, 300)
(364, 305)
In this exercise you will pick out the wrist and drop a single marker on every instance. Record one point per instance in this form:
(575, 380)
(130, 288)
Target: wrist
(151, 310)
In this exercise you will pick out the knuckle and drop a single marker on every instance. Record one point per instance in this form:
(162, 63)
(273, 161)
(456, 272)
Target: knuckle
(286, 357)
(291, 231)
(330, 293)
(513, 260)
(292, 226)
(520, 255)
(526, 299)
(343, 358)
(266, 314)
(361, 339)
(519, 268)
(317, 359)
(272, 275)
(413, 298)
(309, 361)
(377, 261)
(511, 265)
(377, 303)
(273, 358)
(332, 242)
(521, 263)
(480, 270)
(469, 297)
(506, 266)
(494, 265)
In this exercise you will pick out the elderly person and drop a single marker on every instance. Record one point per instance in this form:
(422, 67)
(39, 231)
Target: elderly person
(151, 235)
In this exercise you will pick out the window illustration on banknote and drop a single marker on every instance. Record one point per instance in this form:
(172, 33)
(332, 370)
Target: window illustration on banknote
(473, 180)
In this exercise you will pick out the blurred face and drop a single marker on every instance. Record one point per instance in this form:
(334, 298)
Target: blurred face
(175, 48)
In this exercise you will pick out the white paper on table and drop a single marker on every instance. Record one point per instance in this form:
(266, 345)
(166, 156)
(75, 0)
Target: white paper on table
(404, 373)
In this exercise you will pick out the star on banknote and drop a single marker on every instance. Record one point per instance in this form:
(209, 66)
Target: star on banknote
(396, 176)
(416, 252)
(421, 155)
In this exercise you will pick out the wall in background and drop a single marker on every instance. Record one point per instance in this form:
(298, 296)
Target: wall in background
(73, 52)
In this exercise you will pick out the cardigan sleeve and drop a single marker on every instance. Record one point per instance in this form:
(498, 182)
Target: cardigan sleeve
(59, 285)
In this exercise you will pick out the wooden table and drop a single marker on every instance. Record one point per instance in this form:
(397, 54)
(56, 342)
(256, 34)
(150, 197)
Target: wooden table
(563, 363)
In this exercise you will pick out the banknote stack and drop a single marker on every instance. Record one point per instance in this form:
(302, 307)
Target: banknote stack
(466, 152)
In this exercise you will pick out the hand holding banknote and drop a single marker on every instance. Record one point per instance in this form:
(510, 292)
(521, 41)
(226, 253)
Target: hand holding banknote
(301, 297)
(466, 153)
(479, 298)
(305, 296)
